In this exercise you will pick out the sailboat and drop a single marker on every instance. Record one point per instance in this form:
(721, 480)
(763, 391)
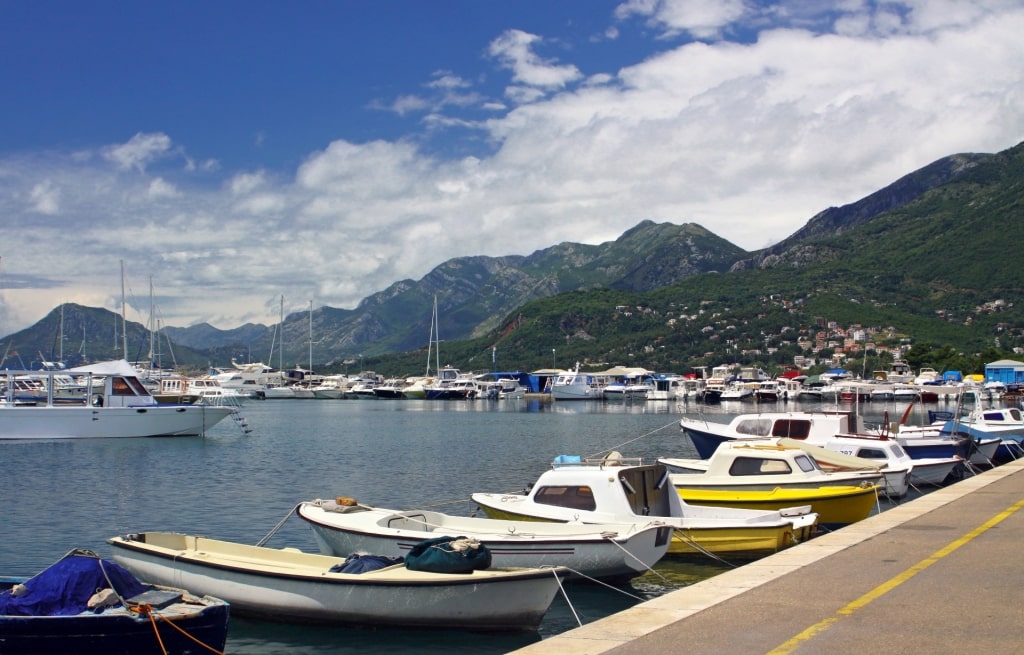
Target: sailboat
(279, 390)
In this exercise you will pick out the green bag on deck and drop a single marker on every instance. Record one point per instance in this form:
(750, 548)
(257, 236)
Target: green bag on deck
(448, 555)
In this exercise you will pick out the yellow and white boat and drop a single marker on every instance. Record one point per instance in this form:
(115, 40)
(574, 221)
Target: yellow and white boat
(762, 474)
(621, 490)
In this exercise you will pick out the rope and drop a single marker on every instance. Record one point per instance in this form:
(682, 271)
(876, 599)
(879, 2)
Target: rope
(700, 549)
(277, 527)
(153, 617)
(642, 436)
(561, 588)
(146, 610)
(611, 537)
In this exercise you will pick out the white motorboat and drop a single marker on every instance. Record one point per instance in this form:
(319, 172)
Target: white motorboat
(290, 585)
(115, 404)
(573, 385)
(707, 435)
(624, 490)
(615, 552)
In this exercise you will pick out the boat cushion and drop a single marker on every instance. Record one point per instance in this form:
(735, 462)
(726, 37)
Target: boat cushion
(448, 555)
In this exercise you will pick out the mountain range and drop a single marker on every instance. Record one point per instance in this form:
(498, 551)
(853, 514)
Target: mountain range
(912, 232)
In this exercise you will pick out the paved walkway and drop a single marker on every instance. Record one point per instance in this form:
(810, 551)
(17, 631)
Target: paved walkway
(940, 574)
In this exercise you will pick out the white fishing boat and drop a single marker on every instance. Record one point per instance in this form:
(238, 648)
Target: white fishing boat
(573, 385)
(616, 552)
(115, 404)
(290, 585)
(624, 490)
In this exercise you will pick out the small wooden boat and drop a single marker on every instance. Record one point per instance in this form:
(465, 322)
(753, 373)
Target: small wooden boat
(290, 585)
(60, 610)
(623, 490)
(615, 552)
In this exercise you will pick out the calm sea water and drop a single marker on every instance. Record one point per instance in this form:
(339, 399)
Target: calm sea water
(398, 454)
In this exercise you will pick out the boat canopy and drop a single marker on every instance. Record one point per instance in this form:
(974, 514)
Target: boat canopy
(112, 367)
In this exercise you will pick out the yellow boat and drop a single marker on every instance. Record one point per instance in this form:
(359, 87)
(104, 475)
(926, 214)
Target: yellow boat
(835, 506)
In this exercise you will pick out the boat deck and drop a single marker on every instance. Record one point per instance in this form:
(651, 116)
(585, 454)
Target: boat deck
(939, 574)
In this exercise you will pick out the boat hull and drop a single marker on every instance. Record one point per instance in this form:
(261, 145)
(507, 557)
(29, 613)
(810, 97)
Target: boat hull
(298, 587)
(82, 422)
(835, 506)
(728, 539)
(118, 633)
(611, 552)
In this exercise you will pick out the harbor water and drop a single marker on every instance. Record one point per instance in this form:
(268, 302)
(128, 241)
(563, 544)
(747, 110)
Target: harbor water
(400, 454)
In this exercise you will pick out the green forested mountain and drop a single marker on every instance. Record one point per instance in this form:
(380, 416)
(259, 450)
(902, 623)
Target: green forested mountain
(930, 259)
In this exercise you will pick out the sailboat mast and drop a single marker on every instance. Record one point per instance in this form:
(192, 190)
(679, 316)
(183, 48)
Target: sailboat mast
(280, 350)
(437, 340)
(311, 335)
(124, 329)
(151, 322)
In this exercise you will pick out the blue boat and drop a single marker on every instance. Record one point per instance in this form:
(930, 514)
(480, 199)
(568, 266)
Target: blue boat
(86, 605)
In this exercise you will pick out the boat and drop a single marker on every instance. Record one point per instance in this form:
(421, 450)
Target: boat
(667, 387)
(84, 604)
(115, 404)
(762, 474)
(886, 451)
(739, 390)
(503, 388)
(615, 489)
(289, 585)
(707, 435)
(611, 552)
(573, 385)
(391, 388)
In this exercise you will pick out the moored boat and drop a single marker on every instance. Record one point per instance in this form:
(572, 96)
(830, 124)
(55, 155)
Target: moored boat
(625, 490)
(615, 552)
(115, 404)
(293, 586)
(86, 605)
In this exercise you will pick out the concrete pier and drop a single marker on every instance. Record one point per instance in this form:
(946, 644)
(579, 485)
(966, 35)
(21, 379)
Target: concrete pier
(943, 573)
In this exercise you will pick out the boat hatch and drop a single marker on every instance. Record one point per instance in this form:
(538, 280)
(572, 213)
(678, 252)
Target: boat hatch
(646, 490)
(573, 497)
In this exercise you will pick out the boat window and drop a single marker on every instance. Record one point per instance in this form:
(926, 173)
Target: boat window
(897, 450)
(567, 496)
(993, 416)
(1015, 415)
(758, 466)
(759, 427)
(136, 384)
(871, 453)
(805, 463)
(794, 429)
(120, 387)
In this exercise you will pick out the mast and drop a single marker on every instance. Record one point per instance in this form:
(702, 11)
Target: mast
(151, 324)
(280, 350)
(310, 335)
(124, 330)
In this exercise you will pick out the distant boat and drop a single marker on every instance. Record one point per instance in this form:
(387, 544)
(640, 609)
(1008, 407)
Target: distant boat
(115, 404)
(573, 385)
(87, 605)
(290, 585)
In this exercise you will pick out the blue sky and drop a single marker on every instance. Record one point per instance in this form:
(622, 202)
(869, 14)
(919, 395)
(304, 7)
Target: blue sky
(235, 152)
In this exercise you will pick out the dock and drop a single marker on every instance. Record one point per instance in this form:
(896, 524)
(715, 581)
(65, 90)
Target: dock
(943, 573)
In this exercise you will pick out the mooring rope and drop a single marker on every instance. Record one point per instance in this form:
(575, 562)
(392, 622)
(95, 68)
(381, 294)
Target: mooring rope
(277, 527)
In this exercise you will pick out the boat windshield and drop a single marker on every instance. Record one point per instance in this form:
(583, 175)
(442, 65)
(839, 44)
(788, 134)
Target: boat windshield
(572, 497)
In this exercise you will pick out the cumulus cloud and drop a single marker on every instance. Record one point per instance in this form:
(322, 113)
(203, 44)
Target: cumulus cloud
(139, 151)
(749, 136)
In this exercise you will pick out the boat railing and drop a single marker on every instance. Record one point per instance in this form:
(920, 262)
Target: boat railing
(611, 459)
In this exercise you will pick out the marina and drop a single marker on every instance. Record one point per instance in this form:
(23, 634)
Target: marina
(403, 454)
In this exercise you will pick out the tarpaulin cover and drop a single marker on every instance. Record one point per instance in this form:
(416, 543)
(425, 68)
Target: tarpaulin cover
(65, 587)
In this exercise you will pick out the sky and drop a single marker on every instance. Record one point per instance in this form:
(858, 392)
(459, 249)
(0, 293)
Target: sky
(230, 154)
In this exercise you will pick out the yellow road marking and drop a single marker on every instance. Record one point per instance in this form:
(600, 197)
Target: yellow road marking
(893, 582)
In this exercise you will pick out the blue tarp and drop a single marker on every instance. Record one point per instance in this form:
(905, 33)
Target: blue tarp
(64, 589)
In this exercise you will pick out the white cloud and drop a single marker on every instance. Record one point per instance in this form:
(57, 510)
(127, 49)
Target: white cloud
(139, 151)
(749, 139)
(45, 198)
(515, 50)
